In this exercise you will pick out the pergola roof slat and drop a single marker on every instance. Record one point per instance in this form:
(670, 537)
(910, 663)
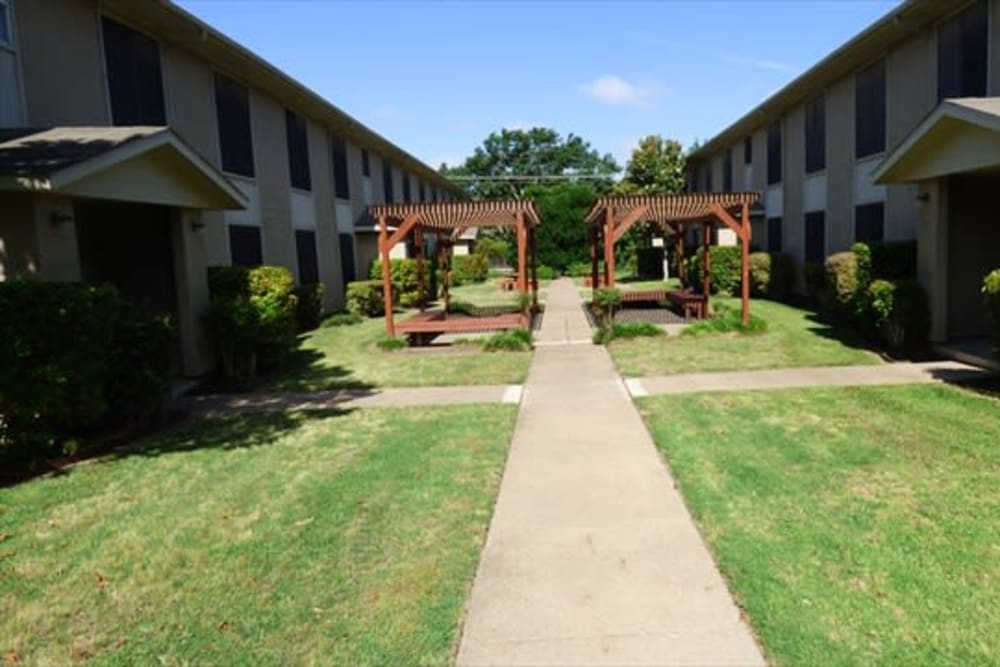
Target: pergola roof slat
(673, 208)
(451, 215)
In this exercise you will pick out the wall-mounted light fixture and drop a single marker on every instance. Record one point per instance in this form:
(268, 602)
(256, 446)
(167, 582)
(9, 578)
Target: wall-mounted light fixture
(924, 197)
(197, 225)
(58, 218)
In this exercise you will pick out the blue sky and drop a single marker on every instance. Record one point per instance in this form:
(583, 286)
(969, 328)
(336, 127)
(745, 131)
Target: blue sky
(437, 77)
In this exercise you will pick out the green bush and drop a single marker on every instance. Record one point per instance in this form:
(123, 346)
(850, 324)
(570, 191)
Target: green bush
(578, 269)
(54, 365)
(252, 318)
(493, 249)
(390, 343)
(900, 313)
(547, 272)
(991, 293)
(467, 269)
(308, 306)
(607, 300)
(512, 340)
(725, 273)
(141, 368)
(772, 275)
(726, 320)
(406, 282)
(341, 319)
(649, 263)
(842, 284)
(365, 298)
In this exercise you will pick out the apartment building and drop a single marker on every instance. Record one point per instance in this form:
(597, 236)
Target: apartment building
(140, 146)
(892, 137)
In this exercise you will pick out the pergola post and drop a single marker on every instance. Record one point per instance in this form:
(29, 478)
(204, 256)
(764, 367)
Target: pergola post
(745, 262)
(609, 247)
(681, 264)
(418, 242)
(706, 263)
(533, 242)
(383, 245)
(522, 254)
(444, 263)
(594, 240)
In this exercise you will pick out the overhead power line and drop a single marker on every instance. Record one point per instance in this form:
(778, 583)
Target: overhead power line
(542, 177)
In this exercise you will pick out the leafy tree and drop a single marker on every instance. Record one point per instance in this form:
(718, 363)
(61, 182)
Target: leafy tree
(562, 236)
(520, 158)
(657, 165)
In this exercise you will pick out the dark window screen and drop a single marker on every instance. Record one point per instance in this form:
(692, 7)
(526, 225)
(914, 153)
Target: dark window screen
(366, 165)
(390, 196)
(245, 246)
(748, 150)
(422, 192)
(305, 250)
(347, 269)
(298, 151)
(774, 234)
(709, 186)
(341, 187)
(869, 222)
(869, 111)
(135, 82)
(815, 236)
(816, 135)
(727, 172)
(774, 153)
(406, 187)
(232, 112)
(963, 44)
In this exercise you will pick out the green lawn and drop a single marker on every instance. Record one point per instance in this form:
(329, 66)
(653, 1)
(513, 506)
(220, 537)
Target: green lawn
(793, 338)
(855, 526)
(347, 356)
(338, 538)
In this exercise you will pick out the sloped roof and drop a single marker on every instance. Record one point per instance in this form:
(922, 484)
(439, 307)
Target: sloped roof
(40, 152)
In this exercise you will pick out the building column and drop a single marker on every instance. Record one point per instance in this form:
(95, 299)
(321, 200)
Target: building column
(932, 253)
(191, 283)
(56, 239)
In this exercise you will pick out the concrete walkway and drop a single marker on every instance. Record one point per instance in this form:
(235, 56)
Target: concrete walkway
(592, 557)
(824, 376)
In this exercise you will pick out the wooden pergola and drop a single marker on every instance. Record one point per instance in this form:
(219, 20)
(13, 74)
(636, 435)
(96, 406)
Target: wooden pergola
(448, 221)
(611, 217)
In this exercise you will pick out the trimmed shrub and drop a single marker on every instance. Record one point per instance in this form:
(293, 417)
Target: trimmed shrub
(607, 300)
(772, 275)
(649, 263)
(141, 368)
(547, 272)
(725, 272)
(578, 269)
(55, 361)
(389, 344)
(842, 283)
(365, 298)
(512, 340)
(467, 269)
(900, 313)
(343, 319)
(493, 249)
(726, 320)
(991, 293)
(308, 306)
(405, 275)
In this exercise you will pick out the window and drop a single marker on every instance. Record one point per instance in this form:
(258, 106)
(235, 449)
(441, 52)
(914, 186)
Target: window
(232, 113)
(869, 222)
(298, 151)
(869, 111)
(774, 153)
(748, 150)
(815, 236)
(422, 192)
(708, 177)
(341, 186)
(305, 251)
(816, 135)
(963, 53)
(6, 32)
(135, 82)
(366, 165)
(244, 246)
(727, 172)
(348, 272)
(390, 196)
(406, 187)
(774, 234)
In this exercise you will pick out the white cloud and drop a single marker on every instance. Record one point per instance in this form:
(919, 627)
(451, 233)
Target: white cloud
(611, 89)
(770, 65)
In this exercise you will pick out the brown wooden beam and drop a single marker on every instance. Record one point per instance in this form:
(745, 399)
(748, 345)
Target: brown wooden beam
(609, 247)
(522, 255)
(706, 262)
(408, 224)
(633, 217)
(595, 279)
(745, 263)
(383, 243)
(725, 218)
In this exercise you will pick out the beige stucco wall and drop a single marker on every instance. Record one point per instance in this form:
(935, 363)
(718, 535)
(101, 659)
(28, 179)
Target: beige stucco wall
(840, 163)
(327, 241)
(932, 253)
(273, 180)
(62, 62)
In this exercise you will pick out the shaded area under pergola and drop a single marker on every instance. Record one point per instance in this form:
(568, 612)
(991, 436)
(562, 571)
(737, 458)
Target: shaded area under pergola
(448, 221)
(611, 217)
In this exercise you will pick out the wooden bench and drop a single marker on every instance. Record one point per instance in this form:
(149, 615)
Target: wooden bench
(644, 296)
(690, 302)
(424, 327)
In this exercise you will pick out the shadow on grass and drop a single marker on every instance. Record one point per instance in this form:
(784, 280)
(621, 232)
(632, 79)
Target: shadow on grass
(306, 369)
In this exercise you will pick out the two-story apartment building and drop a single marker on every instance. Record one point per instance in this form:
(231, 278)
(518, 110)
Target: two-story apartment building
(140, 146)
(892, 137)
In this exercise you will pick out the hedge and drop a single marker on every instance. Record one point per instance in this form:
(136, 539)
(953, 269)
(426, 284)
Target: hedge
(405, 274)
(467, 269)
(841, 283)
(308, 306)
(725, 272)
(900, 313)
(991, 293)
(252, 318)
(68, 356)
(772, 275)
(365, 298)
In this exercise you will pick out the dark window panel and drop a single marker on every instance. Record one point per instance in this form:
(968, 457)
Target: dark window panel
(708, 177)
(963, 53)
(348, 272)
(390, 196)
(135, 80)
(232, 112)
(366, 165)
(341, 186)
(869, 222)
(422, 192)
(406, 188)
(298, 151)
(245, 246)
(727, 172)
(774, 153)
(774, 234)
(815, 236)
(748, 150)
(816, 135)
(305, 250)
(869, 111)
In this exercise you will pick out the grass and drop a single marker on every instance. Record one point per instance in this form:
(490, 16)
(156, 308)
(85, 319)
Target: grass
(332, 538)
(793, 338)
(349, 356)
(489, 294)
(855, 526)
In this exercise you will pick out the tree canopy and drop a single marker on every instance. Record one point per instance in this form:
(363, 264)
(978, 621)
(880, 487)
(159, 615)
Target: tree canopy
(657, 165)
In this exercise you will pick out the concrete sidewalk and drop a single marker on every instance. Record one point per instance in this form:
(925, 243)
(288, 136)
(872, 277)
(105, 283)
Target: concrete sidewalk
(828, 376)
(592, 557)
